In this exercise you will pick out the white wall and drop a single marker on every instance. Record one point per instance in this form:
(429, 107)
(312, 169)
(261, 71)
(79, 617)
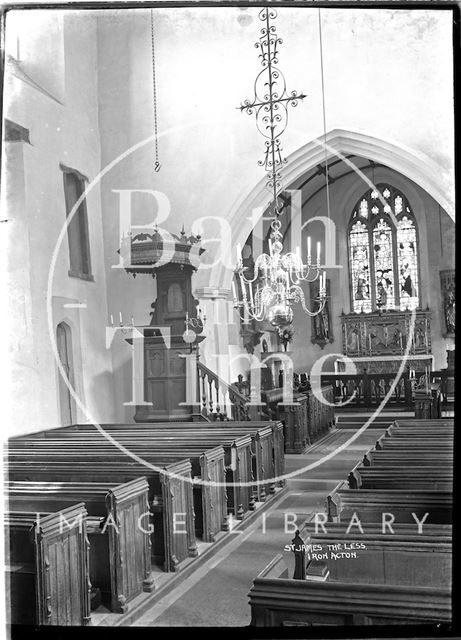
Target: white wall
(67, 131)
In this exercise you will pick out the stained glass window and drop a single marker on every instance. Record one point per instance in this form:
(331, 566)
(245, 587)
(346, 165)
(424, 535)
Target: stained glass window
(384, 266)
(407, 263)
(360, 267)
(383, 252)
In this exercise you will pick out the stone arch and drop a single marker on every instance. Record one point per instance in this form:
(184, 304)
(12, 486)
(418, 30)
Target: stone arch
(414, 165)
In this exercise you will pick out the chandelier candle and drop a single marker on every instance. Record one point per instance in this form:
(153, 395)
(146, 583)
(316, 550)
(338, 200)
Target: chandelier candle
(276, 277)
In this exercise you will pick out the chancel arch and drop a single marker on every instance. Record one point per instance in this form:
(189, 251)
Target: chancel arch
(340, 143)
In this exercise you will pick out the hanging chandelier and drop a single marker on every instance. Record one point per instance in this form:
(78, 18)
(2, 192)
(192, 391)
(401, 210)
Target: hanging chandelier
(274, 286)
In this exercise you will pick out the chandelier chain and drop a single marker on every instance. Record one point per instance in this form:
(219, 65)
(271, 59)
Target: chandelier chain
(327, 177)
(154, 91)
(269, 289)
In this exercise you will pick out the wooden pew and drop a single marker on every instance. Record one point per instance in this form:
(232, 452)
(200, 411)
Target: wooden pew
(414, 444)
(120, 554)
(400, 555)
(47, 573)
(170, 493)
(210, 501)
(231, 463)
(400, 477)
(421, 423)
(260, 449)
(384, 457)
(267, 451)
(370, 504)
(278, 601)
(395, 570)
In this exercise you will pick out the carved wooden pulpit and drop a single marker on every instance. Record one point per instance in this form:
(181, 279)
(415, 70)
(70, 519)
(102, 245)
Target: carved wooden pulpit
(164, 362)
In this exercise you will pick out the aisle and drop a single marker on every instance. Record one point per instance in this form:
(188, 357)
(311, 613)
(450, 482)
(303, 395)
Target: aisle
(216, 594)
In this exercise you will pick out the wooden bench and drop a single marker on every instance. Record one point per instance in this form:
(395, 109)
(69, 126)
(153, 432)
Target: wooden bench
(120, 554)
(230, 463)
(278, 601)
(46, 563)
(400, 477)
(414, 444)
(210, 501)
(170, 493)
(400, 556)
(421, 423)
(370, 504)
(245, 427)
(266, 449)
(384, 457)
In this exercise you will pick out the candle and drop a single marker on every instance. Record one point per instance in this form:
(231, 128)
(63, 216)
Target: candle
(270, 246)
(308, 249)
(400, 337)
(112, 319)
(369, 341)
(288, 280)
(120, 314)
(250, 289)
(204, 312)
(318, 252)
(239, 252)
(234, 292)
(132, 321)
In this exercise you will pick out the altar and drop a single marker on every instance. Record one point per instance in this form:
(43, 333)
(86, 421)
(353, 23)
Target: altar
(379, 342)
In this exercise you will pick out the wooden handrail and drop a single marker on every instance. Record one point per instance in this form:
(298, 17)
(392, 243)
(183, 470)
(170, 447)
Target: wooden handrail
(226, 400)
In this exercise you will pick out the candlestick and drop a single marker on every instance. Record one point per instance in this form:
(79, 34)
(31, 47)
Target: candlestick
(242, 284)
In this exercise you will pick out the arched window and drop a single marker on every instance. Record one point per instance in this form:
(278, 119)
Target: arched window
(66, 401)
(383, 252)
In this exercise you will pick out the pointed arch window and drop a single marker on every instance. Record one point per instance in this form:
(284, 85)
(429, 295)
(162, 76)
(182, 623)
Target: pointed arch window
(383, 252)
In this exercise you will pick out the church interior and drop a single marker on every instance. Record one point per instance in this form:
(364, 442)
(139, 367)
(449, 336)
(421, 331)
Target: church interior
(230, 260)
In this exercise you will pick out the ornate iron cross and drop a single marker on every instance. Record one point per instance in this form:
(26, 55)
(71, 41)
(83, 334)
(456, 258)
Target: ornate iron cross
(270, 103)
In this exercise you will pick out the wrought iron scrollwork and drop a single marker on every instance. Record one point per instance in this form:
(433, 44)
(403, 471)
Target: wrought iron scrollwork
(270, 103)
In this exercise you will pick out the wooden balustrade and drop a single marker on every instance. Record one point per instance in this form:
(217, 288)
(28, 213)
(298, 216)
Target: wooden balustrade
(366, 390)
(221, 400)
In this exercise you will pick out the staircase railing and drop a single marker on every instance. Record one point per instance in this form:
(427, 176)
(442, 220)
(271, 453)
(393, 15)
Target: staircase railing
(221, 400)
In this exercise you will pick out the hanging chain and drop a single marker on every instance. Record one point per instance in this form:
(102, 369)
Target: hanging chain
(327, 175)
(157, 164)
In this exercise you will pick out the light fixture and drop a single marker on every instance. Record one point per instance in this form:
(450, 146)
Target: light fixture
(270, 292)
